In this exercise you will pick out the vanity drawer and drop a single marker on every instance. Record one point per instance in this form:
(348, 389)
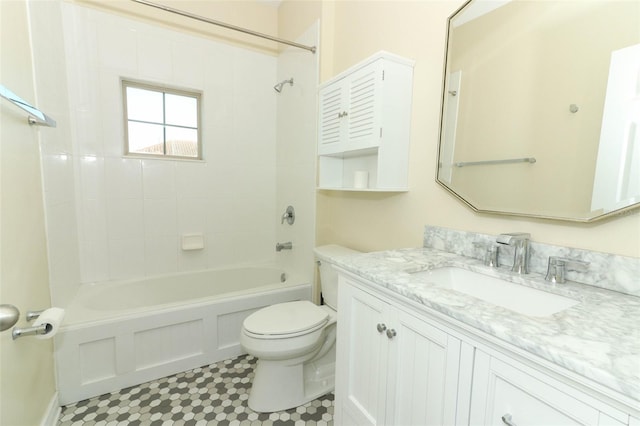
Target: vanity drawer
(503, 394)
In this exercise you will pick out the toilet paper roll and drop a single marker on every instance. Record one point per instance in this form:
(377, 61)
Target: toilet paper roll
(52, 317)
(361, 179)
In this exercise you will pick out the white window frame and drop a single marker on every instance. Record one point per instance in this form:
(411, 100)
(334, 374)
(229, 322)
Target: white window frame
(125, 83)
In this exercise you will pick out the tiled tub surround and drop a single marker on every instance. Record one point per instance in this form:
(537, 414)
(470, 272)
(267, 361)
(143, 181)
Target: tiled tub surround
(599, 338)
(112, 217)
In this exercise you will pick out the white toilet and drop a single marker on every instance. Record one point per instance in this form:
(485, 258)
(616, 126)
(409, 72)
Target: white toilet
(295, 345)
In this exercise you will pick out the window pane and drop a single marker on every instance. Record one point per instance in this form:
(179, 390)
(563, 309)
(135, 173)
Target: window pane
(181, 110)
(182, 142)
(144, 105)
(146, 138)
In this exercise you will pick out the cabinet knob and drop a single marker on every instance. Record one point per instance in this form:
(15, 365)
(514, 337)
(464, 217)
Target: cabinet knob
(391, 333)
(381, 327)
(506, 419)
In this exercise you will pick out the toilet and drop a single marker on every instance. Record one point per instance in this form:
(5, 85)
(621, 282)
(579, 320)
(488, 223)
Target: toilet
(294, 343)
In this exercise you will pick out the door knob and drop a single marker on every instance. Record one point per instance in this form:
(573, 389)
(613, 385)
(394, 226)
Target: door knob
(381, 327)
(9, 316)
(391, 333)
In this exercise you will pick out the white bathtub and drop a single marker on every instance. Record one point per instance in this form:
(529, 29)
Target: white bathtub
(120, 334)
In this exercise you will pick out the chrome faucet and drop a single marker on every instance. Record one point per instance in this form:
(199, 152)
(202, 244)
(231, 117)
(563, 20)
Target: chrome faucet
(284, 246)
(558, 267)
(520, 243)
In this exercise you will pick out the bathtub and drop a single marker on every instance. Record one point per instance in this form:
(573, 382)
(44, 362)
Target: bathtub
(121, 334)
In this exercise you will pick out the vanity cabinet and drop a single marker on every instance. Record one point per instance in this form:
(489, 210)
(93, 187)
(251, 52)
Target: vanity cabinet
(364, 125)
(505, 394)
(401, 364)
(392, 368)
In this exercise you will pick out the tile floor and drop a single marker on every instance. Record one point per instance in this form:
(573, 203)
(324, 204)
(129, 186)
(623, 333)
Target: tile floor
(213, 395)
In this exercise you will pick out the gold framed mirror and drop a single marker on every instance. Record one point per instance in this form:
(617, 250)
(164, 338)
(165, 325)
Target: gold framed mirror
(541, 108)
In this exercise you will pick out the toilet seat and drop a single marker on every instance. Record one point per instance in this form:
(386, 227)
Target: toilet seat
(285, 320)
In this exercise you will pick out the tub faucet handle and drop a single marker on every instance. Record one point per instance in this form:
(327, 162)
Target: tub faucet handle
(289, 215)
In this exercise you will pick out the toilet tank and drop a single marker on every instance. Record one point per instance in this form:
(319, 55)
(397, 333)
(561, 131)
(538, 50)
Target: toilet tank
(328, 275)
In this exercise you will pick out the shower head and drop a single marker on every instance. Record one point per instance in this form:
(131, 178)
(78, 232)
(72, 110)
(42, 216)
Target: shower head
(278, 87)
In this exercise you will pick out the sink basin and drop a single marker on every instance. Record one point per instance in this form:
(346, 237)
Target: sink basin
(515, 297)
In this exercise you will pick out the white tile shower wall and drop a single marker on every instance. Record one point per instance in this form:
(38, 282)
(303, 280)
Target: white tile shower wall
(296, 152)
(131, 211)
(58, 168)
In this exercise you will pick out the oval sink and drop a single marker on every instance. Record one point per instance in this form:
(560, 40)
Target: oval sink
(515, 297)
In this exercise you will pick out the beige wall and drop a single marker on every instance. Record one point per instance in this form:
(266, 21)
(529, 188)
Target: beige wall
(26, 365)
(367, 221)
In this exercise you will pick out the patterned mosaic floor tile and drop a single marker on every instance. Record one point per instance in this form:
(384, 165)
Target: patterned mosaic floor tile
(213, 395)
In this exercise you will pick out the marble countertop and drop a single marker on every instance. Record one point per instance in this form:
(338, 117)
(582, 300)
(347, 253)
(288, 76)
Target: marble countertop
(598, 338)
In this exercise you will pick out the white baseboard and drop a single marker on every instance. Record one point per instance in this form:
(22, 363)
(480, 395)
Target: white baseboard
(50, 417)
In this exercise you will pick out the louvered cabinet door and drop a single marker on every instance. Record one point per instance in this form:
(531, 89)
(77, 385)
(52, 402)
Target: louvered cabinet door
(332, 123)
(364, 102)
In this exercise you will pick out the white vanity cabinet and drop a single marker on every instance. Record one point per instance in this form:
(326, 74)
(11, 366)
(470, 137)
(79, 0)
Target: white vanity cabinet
(505, 394)
(392, 367)
(364, 125)
(401, 364)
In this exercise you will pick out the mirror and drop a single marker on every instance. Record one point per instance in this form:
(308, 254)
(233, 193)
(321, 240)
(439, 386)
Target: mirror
(541, 108)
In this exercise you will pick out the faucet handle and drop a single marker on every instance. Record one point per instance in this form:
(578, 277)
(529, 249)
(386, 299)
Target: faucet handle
(289, 215)
(491, 255)
(558, 266)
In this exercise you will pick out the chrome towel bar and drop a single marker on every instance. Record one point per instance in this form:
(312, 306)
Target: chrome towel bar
(35, 115)
(507, 161)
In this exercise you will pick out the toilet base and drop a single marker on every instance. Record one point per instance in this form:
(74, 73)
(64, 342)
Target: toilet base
(277, 386)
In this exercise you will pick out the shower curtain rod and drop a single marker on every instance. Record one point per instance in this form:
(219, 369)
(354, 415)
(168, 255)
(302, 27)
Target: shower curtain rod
(312, 49)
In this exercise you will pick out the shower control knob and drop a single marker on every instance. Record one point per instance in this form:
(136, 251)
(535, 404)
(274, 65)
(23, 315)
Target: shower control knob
(391, 333)
(381, 327)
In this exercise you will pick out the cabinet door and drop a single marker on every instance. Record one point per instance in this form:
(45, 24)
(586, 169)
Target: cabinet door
(331, 128)
(350, 110)
(423, 385)
(361, 359)
(364, 105)
(503, 394)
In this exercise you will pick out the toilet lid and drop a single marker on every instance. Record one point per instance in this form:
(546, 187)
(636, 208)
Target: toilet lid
(286, 318)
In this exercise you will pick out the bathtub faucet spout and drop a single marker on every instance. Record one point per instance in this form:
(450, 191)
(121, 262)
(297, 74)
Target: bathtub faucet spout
(284, 246)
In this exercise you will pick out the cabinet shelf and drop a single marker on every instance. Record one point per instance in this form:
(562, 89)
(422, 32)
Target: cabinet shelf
(349, 153)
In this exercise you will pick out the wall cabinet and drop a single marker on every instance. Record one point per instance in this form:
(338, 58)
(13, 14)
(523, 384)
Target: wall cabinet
(392, 367)
(364, 125)
(396, 365)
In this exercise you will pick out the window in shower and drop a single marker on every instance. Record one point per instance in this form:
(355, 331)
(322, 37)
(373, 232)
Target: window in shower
(161, 121)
